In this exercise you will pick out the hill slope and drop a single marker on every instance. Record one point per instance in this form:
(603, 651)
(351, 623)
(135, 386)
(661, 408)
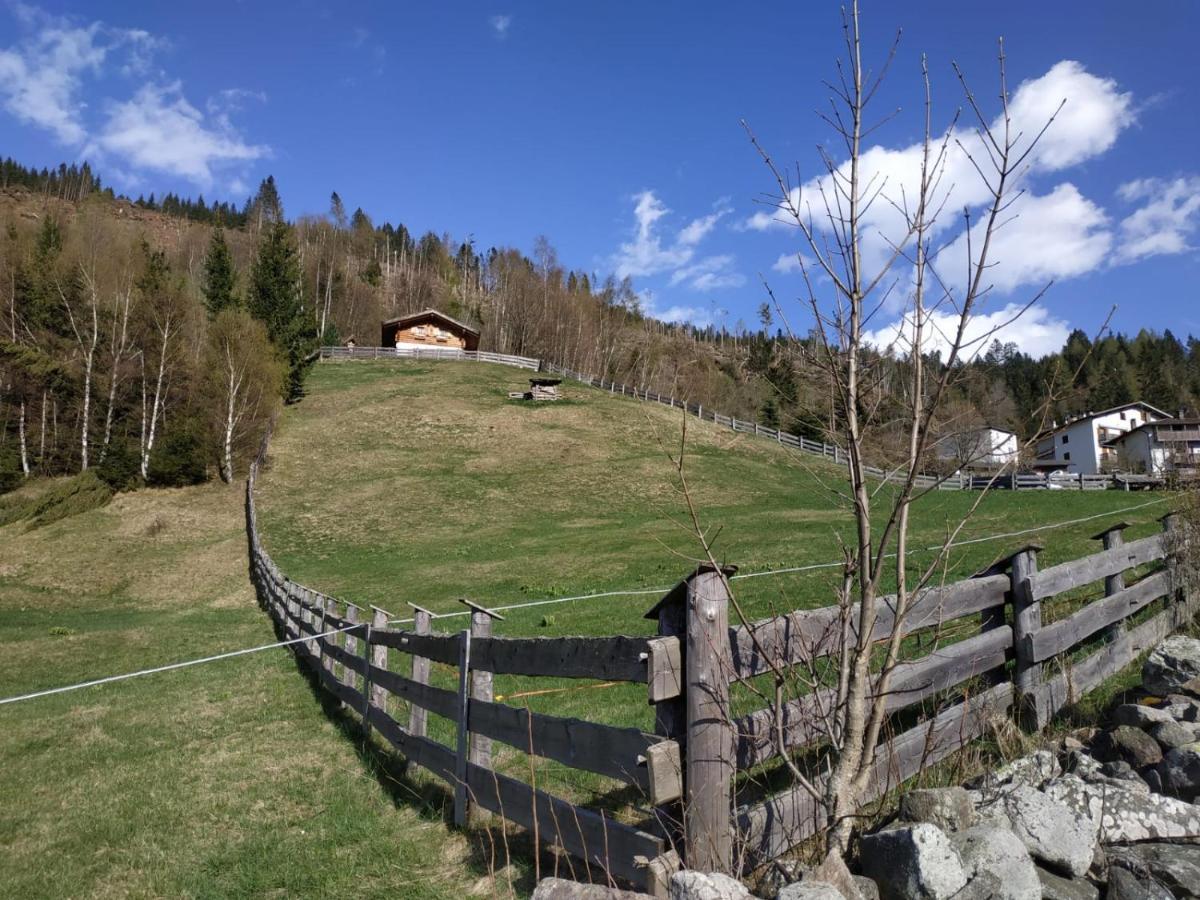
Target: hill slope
(406, 481)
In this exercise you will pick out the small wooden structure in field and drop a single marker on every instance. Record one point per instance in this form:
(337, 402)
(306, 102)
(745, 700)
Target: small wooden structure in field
(539, 389)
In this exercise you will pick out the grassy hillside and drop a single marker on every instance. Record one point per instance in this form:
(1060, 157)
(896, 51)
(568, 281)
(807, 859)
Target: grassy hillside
(229, 779)
(401, 481)
(390, 482)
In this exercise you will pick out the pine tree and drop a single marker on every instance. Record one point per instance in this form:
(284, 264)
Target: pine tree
(337, 210)
(274, 299)
(220, 278)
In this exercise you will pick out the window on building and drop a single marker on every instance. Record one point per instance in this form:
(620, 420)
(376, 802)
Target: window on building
(1122, 417)
(1133, 423)
(1067, 455)
(1066, 438)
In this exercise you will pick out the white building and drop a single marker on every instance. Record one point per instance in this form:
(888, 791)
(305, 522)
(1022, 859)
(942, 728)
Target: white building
(1160, 447)
(1079, 444)
(985, 447)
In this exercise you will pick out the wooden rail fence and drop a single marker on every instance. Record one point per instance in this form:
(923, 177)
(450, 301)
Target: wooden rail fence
(989, 654)
(432, 353)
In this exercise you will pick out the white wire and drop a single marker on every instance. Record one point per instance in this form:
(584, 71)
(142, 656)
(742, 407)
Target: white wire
(635, 593)
(807, 568)
(178, 665)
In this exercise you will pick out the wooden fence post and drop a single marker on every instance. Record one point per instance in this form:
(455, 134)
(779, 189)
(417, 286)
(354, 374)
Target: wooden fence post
(418, 717)
(1175, 599)
(351, 646)
(1027, 619)
(670, 714)
(464, 725)
(378, 654)
(710, 768)
(1113, 584)
(481, 689)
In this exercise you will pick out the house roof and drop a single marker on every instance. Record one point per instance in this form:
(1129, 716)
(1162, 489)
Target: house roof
(1139, 404)
(1157, 423)
(431, 313)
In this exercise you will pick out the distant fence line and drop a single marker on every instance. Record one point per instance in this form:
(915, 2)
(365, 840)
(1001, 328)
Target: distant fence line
(956, 482)
(698, 769)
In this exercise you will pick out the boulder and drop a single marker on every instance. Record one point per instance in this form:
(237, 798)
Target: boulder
(1123, 771)
(1191, 687)
(986, 849)
(1118, 773)
(1123, 885)
(1171, 665)
(913, 863)
(867, 888)
(1183, 709)
(1034, 770)
(562, 889)
(1172, 734)
(1117, 814)
(1125, 742)
(832, 871)
(949, 808)
(1055, 887)
(1176, 866)
(1139, 715)
(809, 890)
(1052, 832)
(692, 885)
(1180, 771)
(984, 886)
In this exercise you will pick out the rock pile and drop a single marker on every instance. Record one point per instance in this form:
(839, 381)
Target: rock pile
(1106, 813)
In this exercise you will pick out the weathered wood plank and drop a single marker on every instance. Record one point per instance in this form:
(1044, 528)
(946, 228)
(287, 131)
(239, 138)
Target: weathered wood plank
(616, 658)
(429, 754)
(807, 635)
(421, 695)
(806, 719)
(665, 670)
(1078, 572)
(1050, 640)
(594, 837)
(769, 828)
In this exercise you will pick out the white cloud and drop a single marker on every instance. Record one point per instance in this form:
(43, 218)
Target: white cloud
(159, 129)
(1166, 222)
(41, 77)
(1044, 238)
(45, 75)
(709, 274)
(1036, 333)
(649, 254)
(787, 263)
(1094, 116)
(500, 25)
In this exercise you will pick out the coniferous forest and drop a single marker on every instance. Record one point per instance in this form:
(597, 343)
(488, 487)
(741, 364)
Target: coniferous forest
(150, 340)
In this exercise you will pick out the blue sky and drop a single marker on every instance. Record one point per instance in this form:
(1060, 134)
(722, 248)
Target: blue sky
(613, 128)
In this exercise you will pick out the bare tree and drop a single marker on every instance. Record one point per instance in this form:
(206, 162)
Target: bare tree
(938, 311)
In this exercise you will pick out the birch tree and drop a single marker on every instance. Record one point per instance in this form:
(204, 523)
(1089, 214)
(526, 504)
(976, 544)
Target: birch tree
(244, 377)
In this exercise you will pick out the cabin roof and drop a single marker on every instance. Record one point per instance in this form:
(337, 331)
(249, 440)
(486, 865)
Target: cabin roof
(1157, 423)
(401, 321)
(1140, 404)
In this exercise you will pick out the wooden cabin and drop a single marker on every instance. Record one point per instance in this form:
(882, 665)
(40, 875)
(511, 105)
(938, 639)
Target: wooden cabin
(426, 330)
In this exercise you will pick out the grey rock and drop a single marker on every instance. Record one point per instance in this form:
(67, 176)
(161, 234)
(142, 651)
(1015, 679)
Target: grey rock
(1183, 709)
(1191, 687)
(913, 863)
(1055, 887)
(1034, 770)
(1124, 772)
(1176, 866)
(984, 886)
(950, 809)
(867, 888)
(1139, 715)
(1172, 734)
(562, 889)
(986, 849)
(832, 870)
(1180, 771)
(810, 890)
(1123, 885)
(1171, 665)
(692, 885)
(1052, 832)
(1120, 815)
(1125, 742)
(781, 872)
(1154, 781)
